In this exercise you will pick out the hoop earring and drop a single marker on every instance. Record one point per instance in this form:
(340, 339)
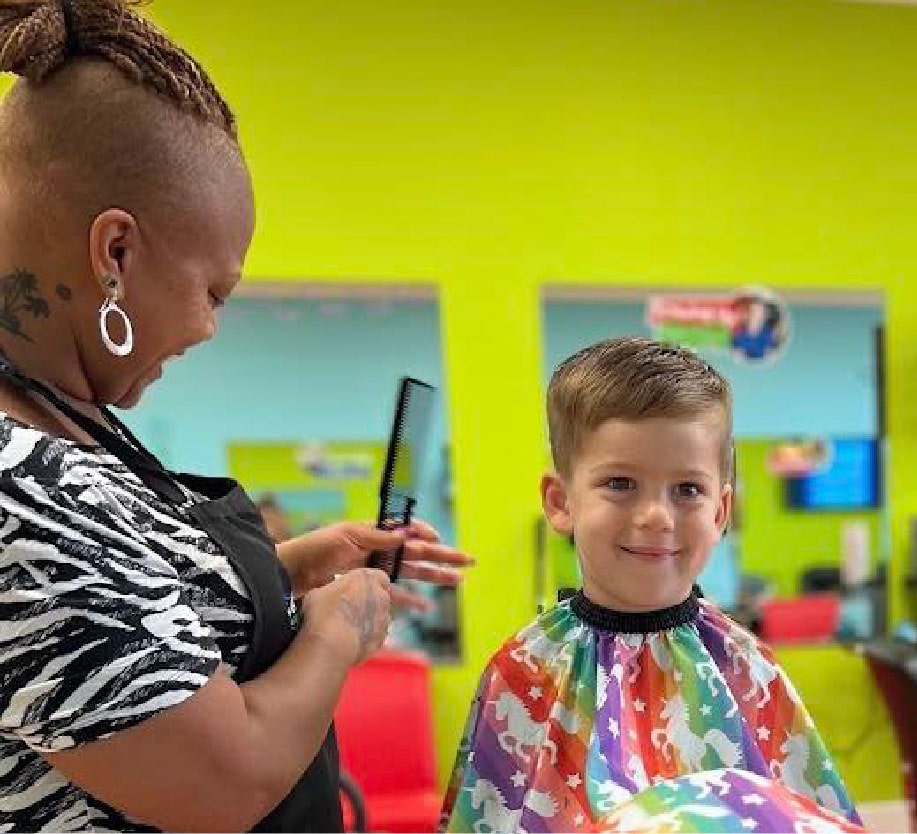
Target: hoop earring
(111, 306)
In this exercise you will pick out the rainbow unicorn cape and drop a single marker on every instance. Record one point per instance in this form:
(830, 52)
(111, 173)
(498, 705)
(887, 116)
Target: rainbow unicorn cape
(675, 720)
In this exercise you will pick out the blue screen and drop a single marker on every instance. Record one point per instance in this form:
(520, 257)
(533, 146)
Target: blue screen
(850, 481)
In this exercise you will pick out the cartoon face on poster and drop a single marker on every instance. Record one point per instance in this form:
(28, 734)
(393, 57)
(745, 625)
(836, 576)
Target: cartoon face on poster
(761, 327)
(753, 325)
(798, 458)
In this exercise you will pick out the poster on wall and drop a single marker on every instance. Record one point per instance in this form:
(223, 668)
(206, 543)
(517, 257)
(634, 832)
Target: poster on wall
(313, 482)
(752, 325)
(796, 458)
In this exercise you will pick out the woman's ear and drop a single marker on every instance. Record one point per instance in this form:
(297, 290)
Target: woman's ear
(556, 504)
(113, 239)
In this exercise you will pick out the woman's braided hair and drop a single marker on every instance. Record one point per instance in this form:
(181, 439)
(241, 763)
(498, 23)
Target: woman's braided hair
(39, 37)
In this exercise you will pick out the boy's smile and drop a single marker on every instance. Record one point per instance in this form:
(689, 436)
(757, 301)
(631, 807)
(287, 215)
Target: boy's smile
(645, 502)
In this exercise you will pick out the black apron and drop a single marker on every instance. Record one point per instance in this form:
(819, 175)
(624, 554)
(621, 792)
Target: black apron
(230, 518)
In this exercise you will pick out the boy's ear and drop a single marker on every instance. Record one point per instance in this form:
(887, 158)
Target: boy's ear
(554, 501)
(724, 510)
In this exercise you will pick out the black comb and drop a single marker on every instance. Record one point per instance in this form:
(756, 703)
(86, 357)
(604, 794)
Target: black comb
(403, 462)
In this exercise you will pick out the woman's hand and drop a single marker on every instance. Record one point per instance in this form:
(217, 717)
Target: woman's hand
(314, 559)
(350, 615)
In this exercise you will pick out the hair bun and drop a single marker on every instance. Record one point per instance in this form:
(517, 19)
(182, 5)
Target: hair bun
(38, 37)
(33, 38)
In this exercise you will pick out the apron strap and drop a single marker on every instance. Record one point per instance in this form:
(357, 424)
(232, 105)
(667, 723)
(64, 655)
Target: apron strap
(118, 440)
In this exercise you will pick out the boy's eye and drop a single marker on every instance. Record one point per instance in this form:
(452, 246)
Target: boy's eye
(689, 490)
(620, 484)
(215, 300)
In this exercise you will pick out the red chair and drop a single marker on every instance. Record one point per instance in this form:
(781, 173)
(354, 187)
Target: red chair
(813, 617)
(385, 734)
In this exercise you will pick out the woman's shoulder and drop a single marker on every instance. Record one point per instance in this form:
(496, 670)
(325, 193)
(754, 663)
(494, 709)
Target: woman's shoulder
(51, 483)
(29, 452)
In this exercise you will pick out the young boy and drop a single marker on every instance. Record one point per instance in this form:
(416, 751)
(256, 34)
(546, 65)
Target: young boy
(635, 705)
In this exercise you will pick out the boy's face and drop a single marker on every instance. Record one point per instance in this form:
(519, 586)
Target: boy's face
(646, 504)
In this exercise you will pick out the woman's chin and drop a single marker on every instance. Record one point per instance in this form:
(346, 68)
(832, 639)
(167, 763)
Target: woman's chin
(134, 394)
(129, 400)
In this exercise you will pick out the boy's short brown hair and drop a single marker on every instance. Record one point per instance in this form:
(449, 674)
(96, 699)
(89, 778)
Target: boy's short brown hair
(632, 378)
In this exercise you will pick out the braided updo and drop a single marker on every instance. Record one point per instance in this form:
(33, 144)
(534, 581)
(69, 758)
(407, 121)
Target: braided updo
(107, 112)
(39, 38)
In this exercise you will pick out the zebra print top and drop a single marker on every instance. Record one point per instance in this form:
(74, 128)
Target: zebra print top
(113, 607)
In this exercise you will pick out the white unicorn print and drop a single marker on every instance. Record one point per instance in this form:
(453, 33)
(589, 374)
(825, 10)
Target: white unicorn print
(539, 647)
(542, 803)
(810, 824)
(792, 772)
(632, 664)
(521, 731)
(495, 817)
(602, 680)
(709, 673)
(608, 794)
(706, 782)
(761, 673)
(675, 820)
(678, 736)
(637, 771)
(661, 652)
(535, 648)
(567, 719)
(630, 818)
(635, 819)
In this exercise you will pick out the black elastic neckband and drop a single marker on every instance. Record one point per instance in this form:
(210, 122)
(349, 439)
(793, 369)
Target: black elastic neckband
(634, 622)
(72, 44)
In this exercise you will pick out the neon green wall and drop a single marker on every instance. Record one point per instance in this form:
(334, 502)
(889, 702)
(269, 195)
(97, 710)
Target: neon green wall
(492, 147)
(850, 714)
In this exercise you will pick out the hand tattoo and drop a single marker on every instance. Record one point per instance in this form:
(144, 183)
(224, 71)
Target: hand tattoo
(20, 296)
(63, 292)
(363, 625)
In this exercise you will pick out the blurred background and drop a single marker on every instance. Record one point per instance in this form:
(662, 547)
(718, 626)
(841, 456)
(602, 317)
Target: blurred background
(468, 192)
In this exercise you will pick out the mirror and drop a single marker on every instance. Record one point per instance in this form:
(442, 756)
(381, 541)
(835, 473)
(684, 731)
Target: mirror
(295, 399)
(805, 558)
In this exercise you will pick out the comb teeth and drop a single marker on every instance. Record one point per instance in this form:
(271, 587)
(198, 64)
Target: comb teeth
(389, 561)
(396, 445)
(405, 453)
(400, 512)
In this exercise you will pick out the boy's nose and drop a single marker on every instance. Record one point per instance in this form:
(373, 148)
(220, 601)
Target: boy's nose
(654, 515)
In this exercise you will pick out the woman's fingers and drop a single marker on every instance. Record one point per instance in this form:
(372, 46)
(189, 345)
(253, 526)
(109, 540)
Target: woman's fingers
(403, 598)
(437, 574)
(421, 551)
(418, 528)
